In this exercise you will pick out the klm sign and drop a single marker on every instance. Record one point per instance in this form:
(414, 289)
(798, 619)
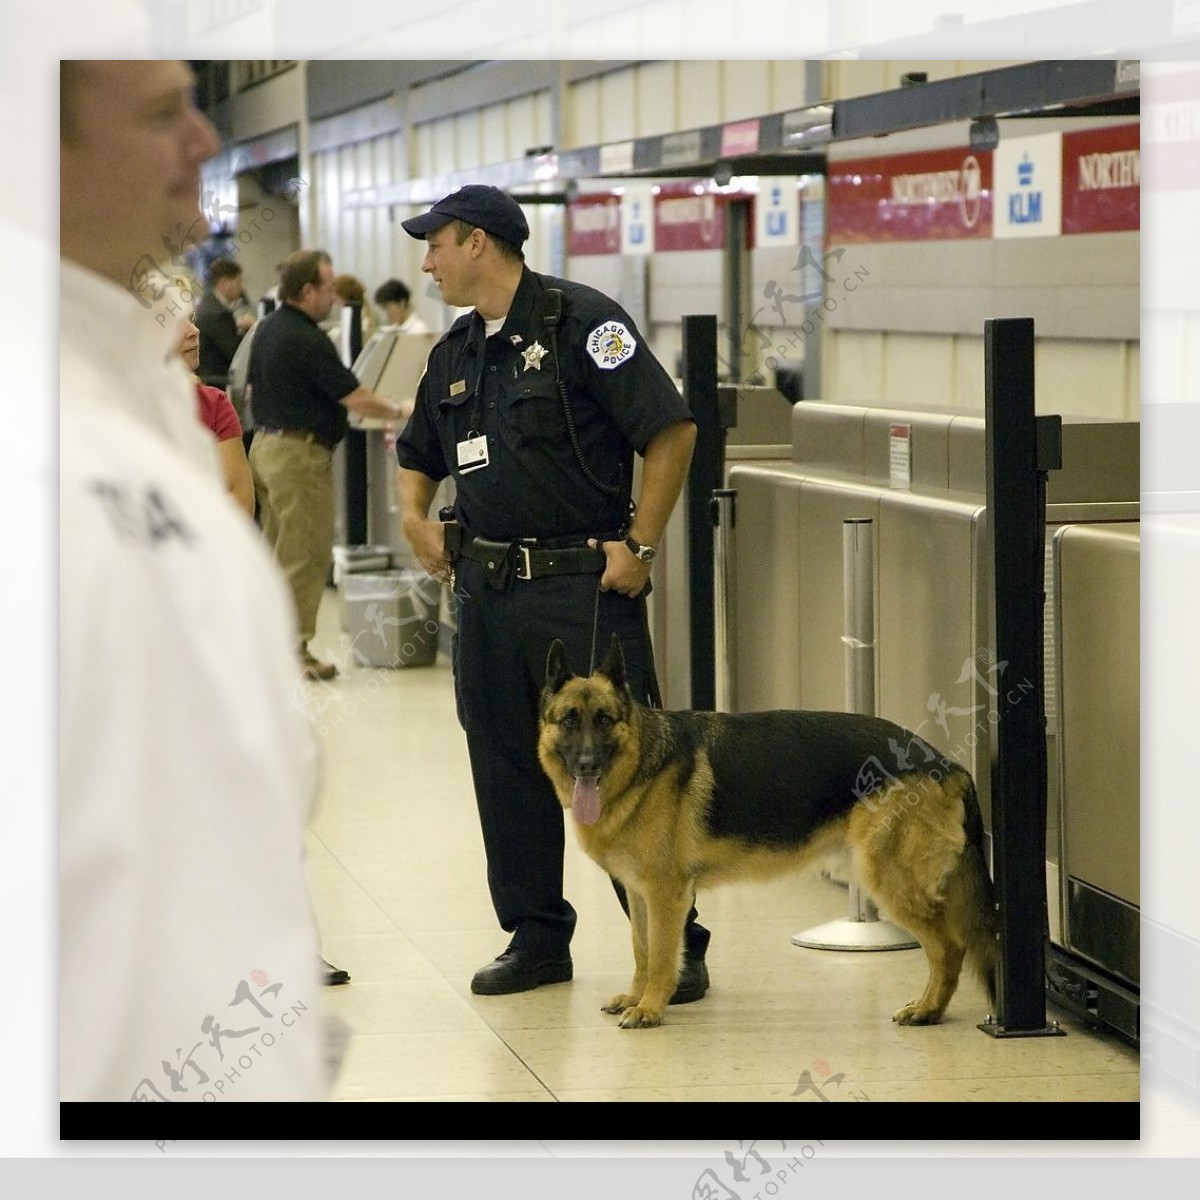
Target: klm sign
(1025, 206)
(777, 212)
(777, 218)
(1028, 173)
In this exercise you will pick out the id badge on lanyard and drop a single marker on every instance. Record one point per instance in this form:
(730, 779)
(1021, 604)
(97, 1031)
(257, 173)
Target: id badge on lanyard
(472, 453)
(473, 449)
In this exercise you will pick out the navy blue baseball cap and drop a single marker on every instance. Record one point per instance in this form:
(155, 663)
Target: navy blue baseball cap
(480, 204)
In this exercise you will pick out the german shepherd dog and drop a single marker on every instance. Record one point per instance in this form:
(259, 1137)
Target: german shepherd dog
(667, 802)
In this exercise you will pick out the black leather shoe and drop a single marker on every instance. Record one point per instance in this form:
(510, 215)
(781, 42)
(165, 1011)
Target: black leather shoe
(693, 981)
(332, 976)
(517, 971)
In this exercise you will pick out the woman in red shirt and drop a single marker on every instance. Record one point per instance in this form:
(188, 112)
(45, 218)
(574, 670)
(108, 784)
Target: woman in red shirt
(218, 414)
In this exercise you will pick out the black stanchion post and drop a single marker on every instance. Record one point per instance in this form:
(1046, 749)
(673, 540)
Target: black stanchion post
(356, 455)
(707, 470)
(1020, 448)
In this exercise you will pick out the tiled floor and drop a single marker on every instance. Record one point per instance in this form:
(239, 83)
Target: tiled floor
(398, 879)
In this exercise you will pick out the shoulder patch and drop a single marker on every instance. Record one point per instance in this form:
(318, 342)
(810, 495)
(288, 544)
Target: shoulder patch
(610, 344)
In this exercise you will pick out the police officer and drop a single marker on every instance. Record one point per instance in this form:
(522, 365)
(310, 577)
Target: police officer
(535, 403)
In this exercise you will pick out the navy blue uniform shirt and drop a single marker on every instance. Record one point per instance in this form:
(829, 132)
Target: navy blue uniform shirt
(503, 388)
(297, 379)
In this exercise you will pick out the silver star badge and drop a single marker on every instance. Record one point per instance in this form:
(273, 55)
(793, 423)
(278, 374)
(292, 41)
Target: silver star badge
(534, 355)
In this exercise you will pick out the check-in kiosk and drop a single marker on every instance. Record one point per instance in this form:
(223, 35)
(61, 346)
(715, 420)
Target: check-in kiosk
(391, 365)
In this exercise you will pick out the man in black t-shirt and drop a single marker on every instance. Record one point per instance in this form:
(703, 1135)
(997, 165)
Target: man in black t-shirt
(300, 392)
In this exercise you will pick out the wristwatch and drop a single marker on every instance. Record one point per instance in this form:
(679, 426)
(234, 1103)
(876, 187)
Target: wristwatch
(645, 553)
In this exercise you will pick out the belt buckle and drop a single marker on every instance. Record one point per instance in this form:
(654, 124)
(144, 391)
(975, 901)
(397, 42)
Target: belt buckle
(524, 569)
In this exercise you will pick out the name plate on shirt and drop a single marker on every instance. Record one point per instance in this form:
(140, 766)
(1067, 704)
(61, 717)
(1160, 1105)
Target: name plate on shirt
(472, 454)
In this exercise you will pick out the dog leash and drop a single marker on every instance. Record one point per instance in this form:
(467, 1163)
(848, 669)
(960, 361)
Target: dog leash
(595, 626)
(653, 697)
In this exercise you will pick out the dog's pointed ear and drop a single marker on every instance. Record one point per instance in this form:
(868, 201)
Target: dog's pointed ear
(614, 663)
(557, 671)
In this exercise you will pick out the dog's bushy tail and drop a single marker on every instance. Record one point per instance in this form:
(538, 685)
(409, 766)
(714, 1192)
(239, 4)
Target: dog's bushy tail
(979, 924)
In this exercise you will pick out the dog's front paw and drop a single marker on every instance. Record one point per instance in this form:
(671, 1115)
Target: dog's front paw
(619, 1004)
(640, 1017)
(914, 1014)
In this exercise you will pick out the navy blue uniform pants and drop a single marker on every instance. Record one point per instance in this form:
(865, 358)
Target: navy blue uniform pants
(500, 654)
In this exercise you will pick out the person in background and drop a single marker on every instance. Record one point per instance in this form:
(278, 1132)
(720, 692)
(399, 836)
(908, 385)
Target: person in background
(301, 393)
(350, 291)
(222, 320)
(396, 301)
(270, 299)
(186, 773)
(550, 544)
(217, 414)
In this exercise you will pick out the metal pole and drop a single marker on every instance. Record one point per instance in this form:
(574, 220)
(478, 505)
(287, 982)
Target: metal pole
(862, 929)
(724, 518)
(858, 613)
(737, 283)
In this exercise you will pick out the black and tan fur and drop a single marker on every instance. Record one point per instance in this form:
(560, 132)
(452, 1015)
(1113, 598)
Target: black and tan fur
(693, 799)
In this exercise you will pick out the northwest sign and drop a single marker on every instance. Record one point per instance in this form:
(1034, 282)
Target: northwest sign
(932, 195)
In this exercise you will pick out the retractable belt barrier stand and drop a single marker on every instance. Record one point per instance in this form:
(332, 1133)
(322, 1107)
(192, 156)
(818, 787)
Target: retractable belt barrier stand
(354, 460)
(1021, 449)
(861, 929)
(704, 477)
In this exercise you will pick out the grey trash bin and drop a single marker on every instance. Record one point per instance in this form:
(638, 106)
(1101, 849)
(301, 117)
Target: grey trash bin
(357, 560)
(392, 618)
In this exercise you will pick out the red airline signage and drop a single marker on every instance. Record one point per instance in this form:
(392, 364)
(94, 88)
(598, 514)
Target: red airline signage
(594, 225)
(935, 194)
(740, 137)
(1171, 122)
(1102, 174)
(686, 218)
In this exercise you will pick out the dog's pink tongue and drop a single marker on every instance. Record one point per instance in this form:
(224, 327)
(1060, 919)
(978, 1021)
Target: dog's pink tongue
(585, 800)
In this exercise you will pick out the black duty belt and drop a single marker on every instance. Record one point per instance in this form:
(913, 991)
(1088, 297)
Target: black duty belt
(505, 561)
(299, 435)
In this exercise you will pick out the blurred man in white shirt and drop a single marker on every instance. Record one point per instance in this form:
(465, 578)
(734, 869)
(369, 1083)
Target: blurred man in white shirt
(187, 944)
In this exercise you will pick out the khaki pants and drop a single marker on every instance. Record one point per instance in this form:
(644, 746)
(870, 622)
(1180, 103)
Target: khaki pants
(293, 483)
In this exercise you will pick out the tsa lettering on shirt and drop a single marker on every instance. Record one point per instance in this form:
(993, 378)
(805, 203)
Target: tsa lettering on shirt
(142, 514)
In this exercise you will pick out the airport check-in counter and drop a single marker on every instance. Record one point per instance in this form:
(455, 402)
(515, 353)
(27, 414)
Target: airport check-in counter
(919, 474)
(1097, 609)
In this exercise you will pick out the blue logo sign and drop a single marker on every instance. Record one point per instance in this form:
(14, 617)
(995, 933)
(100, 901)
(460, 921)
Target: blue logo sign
(1025, 206)
(637, 229)
(777, 218)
